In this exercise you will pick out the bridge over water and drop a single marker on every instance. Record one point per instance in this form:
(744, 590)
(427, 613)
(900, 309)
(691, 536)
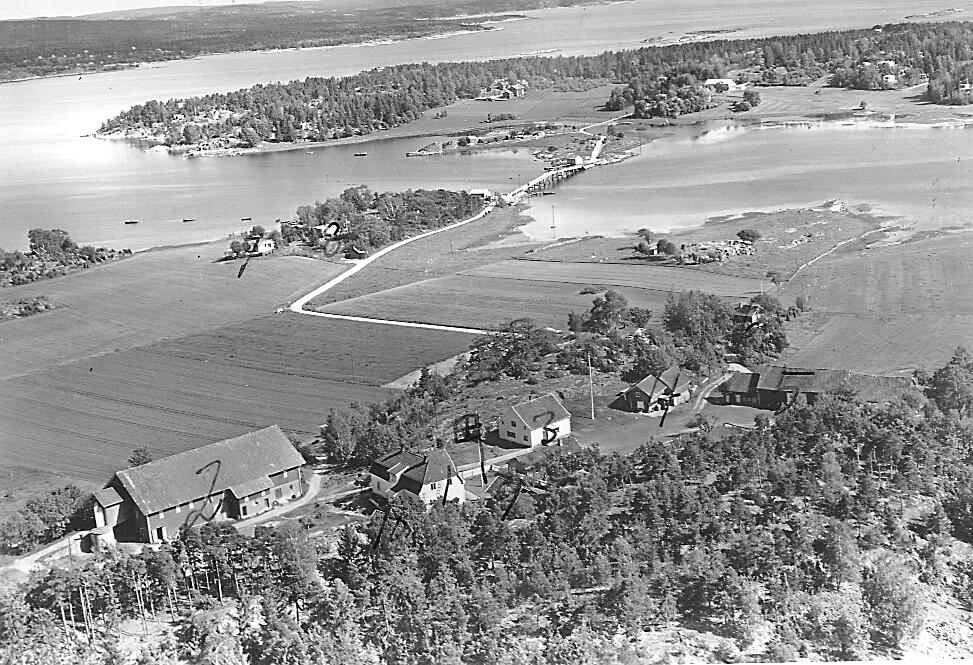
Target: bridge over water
(549, 178)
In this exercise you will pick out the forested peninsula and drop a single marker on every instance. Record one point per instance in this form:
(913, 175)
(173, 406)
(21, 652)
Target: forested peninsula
(653, 82)
(116, 40)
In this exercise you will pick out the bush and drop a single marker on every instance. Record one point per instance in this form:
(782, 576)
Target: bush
(748, 235)
(588, 290)
(892, 601)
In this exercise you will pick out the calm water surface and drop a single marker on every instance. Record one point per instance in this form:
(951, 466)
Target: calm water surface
(50, 175)
(921, 173)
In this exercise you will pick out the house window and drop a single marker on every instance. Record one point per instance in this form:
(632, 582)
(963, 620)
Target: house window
(513, 423)
(278, 493)
(526, 438)
(511, 435)
(243, 510)
(160, 533)
(178, 509)
(432, 485)
(267, 503)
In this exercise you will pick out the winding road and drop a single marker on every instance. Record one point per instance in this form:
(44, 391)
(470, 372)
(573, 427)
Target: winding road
(298, 306)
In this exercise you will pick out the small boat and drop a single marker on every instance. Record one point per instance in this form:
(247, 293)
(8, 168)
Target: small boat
(548, 193)
(361, 154)
(243, 219)
(132, 221)
(189, 219)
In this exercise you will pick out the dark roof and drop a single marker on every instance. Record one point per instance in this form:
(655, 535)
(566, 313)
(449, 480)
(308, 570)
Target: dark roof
(868, 388)
(740, 382)
(532, 410)
(678, 379)
(209, 470)
(437, 465)
(107, 497)
(794, 380)
(394, 463)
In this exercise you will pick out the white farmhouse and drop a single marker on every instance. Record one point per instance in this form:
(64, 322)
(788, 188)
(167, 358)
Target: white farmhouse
(541, 420)
(430, 477)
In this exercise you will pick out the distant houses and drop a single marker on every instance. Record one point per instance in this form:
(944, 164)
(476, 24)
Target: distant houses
(748, 314)
(502, 89)
(771, 387)
(655, 394)
(228, 480)
(429, 477)
(537, 421)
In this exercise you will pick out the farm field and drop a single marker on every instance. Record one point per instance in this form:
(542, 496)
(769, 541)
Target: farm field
(441, 254)
(655, 278)
(887, 310)
(885, 345)
(487, 299)
(146, 298)
(83, 419)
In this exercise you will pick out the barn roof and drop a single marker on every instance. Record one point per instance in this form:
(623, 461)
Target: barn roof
(532, 410)
(201, 472)
(107, 497)
(741, 382)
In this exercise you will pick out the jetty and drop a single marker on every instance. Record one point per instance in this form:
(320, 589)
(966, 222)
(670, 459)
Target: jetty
(431, 149)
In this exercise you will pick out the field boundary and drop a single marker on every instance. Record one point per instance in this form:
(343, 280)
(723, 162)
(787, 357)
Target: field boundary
(298, 306)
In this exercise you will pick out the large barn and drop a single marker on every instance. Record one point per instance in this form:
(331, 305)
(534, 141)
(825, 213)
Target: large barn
(231, 479)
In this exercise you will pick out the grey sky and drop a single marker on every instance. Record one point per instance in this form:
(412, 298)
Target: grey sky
(30, 8)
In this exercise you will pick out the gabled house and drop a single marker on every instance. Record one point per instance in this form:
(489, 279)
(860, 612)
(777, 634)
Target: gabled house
(748, 313)
(541, 420)
(232, 479)
(258, 245)
(657, 393)
(430, 477)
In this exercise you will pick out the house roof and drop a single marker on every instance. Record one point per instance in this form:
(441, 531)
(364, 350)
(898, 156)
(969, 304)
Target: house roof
(748, 309)
(532, 411)
(741, 382)
(437, 465)
(209, 470)
(107, 497)
(794, 380)
(674, 377)
(251, 487)
(394, 463)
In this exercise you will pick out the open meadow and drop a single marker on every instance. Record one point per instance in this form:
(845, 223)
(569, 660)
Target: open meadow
(489, 296)
(146, 298)
(83, 419)
(887, 310)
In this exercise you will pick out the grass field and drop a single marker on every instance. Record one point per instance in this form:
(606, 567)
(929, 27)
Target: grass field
(887, 310)
(487, 296)
(84, 419)
(636, 276)
(147, 298)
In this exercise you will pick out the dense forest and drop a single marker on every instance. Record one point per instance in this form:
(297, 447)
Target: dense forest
(664, 81)
(43, 47)
(827, 532)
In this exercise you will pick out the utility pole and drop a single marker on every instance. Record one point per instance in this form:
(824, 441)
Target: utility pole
(553, 224)
(591, 386)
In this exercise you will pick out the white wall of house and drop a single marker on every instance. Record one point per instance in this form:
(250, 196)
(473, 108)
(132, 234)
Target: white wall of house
(453, 489)
(515, 430)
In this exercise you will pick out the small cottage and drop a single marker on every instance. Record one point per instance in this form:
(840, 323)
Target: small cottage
(656, 393)
(430, 477)
(538, 421)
